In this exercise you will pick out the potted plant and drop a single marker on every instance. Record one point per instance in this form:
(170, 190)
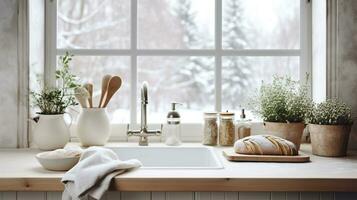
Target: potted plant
(283, 105)
(330, 125)
(51, 131)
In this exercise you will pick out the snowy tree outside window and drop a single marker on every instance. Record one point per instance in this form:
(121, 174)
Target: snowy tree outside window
(176, 50)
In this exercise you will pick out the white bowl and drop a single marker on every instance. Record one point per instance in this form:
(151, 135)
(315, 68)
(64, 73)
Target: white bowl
(57, 164)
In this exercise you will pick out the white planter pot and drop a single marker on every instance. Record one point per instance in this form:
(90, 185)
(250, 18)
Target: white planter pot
(51, 132)
(93, 127)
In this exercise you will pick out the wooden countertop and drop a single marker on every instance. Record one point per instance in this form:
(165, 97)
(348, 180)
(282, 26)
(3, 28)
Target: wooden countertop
(19, 171)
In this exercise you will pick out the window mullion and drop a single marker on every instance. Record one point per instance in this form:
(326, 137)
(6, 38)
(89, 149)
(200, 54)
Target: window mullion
(305, 39)
(134, 55)
(185, 52)
(218, 56)
(50, 43)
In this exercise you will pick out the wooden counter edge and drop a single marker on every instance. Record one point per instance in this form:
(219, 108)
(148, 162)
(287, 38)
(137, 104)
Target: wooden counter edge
(240, 184)
(31, 184)
(192, 184)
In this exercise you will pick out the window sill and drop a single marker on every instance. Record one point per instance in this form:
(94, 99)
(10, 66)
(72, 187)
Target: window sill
(190, 132)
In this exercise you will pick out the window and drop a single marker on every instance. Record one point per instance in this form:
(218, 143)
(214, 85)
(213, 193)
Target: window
(207, 54)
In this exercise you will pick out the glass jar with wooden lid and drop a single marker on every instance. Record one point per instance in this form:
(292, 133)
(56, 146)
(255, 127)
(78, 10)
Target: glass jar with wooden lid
(210, 128)
(226, 128)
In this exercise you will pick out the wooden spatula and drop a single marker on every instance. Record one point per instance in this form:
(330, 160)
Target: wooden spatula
(105, 81)
(113, 86)
(82, 96)
(89, 88)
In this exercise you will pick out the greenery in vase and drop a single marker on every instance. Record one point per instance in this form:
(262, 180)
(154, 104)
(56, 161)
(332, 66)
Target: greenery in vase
(55, 100)
(330, 112)
(283, 100)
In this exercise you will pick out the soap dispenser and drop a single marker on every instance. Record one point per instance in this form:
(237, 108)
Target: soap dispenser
(243, 126)
(173, 131)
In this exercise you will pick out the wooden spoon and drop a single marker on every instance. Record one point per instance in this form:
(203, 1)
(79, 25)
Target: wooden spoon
(82, 96)
(89, 88)
(105, 81)
(113, 86)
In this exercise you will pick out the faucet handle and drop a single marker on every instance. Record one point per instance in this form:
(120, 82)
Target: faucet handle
(156, 132)
(131, 132)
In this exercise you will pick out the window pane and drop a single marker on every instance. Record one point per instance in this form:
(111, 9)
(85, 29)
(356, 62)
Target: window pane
(257, 24)
(92, 68)
(242, 76)
(175, 24)
(189, 80)
(93, 24)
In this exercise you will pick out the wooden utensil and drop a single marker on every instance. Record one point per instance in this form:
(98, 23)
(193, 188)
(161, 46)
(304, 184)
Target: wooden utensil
(113, 86)
(89, 88)
(105, 81)
(82, 96)
(230, 155)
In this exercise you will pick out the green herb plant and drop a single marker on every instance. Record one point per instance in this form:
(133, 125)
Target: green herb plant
(330, 112)
(283, 100)
(55, 100)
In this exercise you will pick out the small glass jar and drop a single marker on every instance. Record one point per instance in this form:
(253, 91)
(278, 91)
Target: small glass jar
(210, 129)
(226, 129)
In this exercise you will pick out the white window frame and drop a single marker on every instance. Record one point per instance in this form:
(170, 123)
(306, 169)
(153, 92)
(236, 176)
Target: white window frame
(218, 52)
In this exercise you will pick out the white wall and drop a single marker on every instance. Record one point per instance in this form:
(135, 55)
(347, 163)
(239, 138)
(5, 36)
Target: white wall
(347, 59)
(8, 73)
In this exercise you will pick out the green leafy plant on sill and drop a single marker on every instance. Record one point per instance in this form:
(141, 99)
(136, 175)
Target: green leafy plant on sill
(330, 112)
(55, 100)
(283, 100)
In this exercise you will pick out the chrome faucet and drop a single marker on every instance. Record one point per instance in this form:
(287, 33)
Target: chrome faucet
(144, 133)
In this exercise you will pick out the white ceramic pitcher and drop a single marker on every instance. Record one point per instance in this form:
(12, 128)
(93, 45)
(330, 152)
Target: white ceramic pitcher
(93, 127)
(51, 132)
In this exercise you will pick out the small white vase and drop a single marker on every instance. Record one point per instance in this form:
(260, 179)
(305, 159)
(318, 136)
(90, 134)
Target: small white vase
(93, 127)
(51, 132)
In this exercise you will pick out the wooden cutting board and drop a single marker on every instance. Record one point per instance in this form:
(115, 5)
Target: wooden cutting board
(230, 155)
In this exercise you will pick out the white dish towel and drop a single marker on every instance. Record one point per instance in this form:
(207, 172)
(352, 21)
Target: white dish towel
(92, 175)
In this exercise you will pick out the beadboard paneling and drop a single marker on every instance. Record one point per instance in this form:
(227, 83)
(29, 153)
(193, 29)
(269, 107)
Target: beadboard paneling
(327, 196)
(31, 196)
(7, 195)
(278, 196)
(203, 196)
(158, 195)
(231, 195)
(135, 196)
(179, 195)
(217, 195)
(292, 196)
(310, 196)
(54, 195)
(345, 196)
(112, 195)
(254, 195)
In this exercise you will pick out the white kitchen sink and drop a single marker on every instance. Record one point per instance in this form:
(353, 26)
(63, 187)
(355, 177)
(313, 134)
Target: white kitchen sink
(171, 157)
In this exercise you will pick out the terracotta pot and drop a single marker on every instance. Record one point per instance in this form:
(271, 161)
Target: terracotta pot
(289, 131)
(329, 140)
